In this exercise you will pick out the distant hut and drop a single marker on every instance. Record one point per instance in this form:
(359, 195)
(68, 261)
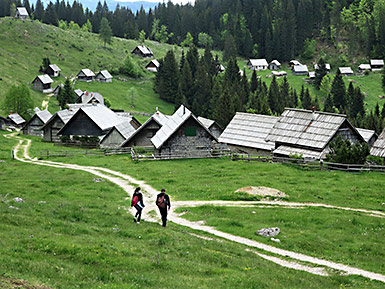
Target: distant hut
(57, 89)
(311, 75)
(142, 51)
(279, 73)
(3, 123)
(309, 133)
(183, 135)
(86, 75)
(300, 70)
(370, 136)
(293, 63)
(211, 125)
(257, 64)
(220, 68)
(274, 65)
(43, 83)
(246, 133)
(21, 13)
(55, 124)
(153, 65)
(378, 148)
(364, 67)
(103, 76)
(142, 136)
(346, 71)
(16, 120)
(327, 67)
(376, 64)
(117, 135)
(53, 70)
(90, 98)
(34, 125)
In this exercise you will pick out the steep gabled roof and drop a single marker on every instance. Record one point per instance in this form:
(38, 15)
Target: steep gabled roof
(346, 70)
(64, 115)
(276, 62)
(295, 62)
(54, 67)
(87, 72)
(258, 62)
(86, 97)
(22, 11)
(249, 130)
(155, 62)
(45, 79)
(105, 74)
(145, 50)
(378, 148)
(125, 129)
(101, 115)
(16, 118)
(300, 68)
(206, 122)
(327, 66)
(158, 117)
(44, 115)
(299, 127)
(172, 124)
(78, 92)
(366, 134)
(364, 66)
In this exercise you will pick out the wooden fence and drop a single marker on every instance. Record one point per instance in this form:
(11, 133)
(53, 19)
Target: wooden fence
(310, 165)
(87, 152)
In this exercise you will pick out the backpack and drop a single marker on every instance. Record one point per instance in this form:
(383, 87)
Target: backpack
(134, 201)
(161, 202)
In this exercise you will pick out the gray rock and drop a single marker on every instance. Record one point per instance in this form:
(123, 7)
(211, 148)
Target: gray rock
(269, 232)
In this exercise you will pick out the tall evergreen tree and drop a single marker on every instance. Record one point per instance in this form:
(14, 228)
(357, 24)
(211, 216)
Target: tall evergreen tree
(39, 10)
(338, 91)
(254, 81)
(50, 16)
(168, 77)
(320, 72)
(105, 32)
(274, 101)
(224, 110)
(187, 84)
(202, 92)
(328, 104)
(230, 47)
(307, 102)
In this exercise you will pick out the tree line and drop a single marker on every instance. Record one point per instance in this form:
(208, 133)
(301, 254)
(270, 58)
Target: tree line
(280, 29)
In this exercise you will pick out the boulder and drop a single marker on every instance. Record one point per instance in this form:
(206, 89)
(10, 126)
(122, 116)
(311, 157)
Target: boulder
(269, 232)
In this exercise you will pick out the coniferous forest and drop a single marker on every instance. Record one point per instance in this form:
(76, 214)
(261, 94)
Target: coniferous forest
(271, 29)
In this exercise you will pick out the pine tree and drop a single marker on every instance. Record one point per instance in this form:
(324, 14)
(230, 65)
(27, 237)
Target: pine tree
(350, 98)
(215, 94)
(105, 32)
(39, 10)
(187, 84)
(192, 57)
(275, 104)
(230, 47)
(328, 104)
(168, 78)
(180, 98)
(202, 92)
(285, 93)
(262, 106)
(338, 91)
(254, 81)
(50, 16)
(224, 110)
(307, 102)
(67, 96)
(320, 72)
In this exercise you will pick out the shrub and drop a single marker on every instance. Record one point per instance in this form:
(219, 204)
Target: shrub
(342, 151)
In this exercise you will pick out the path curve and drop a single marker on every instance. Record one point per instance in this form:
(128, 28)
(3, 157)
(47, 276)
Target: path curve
(128, 184)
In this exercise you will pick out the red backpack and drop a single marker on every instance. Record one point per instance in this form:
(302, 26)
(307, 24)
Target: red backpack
(135, 200)
(161, 202)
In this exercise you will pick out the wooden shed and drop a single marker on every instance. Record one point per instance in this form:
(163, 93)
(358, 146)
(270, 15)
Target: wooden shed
(293, 63)
(142, 51)
(370, 136)
(117, 135)
(55, 124)
(183, 134)
(309, 133)
(211, 125)
(142, 136)
(378, 148)
(257, 64)
(246, 133)
(376, 64)
(90, 97)
(53, 70)
(43, 83)
(153, 65)
(34, 125)
(16, 120)
(85, 75)
(274, 65)
(300, 70)
(346, 71)
(103, 76)
(21, 13)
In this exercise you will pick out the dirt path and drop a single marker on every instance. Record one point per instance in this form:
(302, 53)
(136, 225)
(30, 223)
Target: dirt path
(44, 104)
(151, 214)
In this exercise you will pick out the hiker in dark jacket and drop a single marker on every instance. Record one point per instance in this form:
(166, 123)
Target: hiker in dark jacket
(164, 204)
(137, 203)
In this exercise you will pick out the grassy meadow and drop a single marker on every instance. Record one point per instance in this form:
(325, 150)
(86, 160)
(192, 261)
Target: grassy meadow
(71, 232)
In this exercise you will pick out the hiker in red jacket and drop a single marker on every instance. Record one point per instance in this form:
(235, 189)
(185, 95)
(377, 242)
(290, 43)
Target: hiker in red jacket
(163, 201)
(137, 203)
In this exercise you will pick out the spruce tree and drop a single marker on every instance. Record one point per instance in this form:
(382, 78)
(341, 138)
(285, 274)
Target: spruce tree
(285, 93)
(338, 91)
(224, 110)
(274, 101)
(187, 83)
(320, 72)
(202, 92)
(215, 94)
(383, 111)
(68, 95)
(168, 81)
(39, 10)
(307, 102)
(50, 16)
(254, 81)
(180, 98)
(192, 57)
(350, 98)
(357, 104)
(262, 106)
(230, 47)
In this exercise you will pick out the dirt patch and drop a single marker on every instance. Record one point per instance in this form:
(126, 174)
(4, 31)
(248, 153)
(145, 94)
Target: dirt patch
(15, 283)
(262, 191)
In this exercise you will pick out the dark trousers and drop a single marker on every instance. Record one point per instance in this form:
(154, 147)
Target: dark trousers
(163, 212)
(138, 214)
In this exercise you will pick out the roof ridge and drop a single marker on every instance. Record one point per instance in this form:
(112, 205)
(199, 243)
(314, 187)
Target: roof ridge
(316, 111)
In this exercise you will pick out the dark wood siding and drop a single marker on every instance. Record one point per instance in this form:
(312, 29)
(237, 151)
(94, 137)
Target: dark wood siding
(81, 124)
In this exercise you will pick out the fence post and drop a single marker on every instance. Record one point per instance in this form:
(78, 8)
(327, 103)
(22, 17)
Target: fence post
(321, 164)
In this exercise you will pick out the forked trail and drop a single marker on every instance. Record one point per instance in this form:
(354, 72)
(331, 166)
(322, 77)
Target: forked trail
(128, 184)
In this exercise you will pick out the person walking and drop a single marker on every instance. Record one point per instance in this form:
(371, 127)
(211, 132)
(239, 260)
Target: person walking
(137, 203)
(164, 204)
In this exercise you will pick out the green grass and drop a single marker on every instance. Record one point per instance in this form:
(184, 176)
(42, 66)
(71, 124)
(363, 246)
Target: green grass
(81, 237)
(345, 237)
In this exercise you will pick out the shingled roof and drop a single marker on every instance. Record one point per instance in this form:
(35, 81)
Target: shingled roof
(16, 118)
(249, 130)
(378, 148)
(307, 129)
(64, 115)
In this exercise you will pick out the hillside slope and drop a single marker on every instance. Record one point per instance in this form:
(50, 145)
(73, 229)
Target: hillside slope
(23, 45)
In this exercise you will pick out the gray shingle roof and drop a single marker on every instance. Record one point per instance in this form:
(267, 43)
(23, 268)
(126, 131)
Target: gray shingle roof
(88, 96)
(364, 66)
(327, 66)
(295, 62)
(276, 62)
(300, 68)
(377, 62)
(87, 72)
(366, 134)
(155, 62)
(206, 122)
(44, 115)
(105, 74)
(378, 148)
(258, 62)
(78, 92)
(249, 130)
(22, 11)
(102, 116)
(64, 115)
(288, 151)
(54, 67)
(145, 50)
(304, 128)
(45, 79)
(346, 70)
(16, 118)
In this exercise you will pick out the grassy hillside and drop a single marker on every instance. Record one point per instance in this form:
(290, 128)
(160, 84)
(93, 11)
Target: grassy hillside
(23, 44)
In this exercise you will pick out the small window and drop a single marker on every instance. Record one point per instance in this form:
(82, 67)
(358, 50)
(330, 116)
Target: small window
(191, 131)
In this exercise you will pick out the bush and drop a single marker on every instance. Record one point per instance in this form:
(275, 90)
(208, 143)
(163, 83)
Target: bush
(342, 151)
(129, 68)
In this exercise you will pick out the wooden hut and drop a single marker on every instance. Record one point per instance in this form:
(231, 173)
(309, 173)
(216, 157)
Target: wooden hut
(142, 136)
(246, 133)
(16, 120)
(43, 83)
(85, 75)
(153, 65)
(257, 64)
(293, 63)
(376, 64)
(378, 148)
(183, 134)
(275, 65)
(142, 51)
(370, 136)
(327, 67)
(21, 13)
(117, 135)
(34, 125)
(53, 70)
(300, 70)
(55, 124)
(103, 76)
(346, 71)
(309, 133)
(90, 98)
(211, 125)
